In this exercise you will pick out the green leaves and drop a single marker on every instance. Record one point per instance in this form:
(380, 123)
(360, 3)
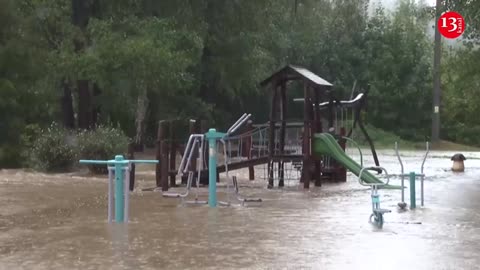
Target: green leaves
(399, 71)
(460, 95)
(204, 59)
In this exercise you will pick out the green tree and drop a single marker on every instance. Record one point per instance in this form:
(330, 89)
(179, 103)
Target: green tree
(399, 67)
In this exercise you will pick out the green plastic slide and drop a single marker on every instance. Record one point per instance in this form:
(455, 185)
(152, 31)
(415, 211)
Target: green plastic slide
(325, 144)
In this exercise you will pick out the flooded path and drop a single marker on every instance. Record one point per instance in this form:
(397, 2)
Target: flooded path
(59, 222)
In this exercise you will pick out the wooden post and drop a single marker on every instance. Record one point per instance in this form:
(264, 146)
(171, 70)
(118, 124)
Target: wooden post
(158, 155)
(342, 171)
(283, 113)
(306, 168)
(131, 155)
(164, 165)
(271, 141)
(173, 152)
(316, 129)
(204, 165)
(248, 148)
(161, 170)
(330, 111)
(302, 135)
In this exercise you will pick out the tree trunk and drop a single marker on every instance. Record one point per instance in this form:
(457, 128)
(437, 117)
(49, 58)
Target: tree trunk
(80, 15)
(67, 106)
(142, 104)
(207, 73)
(84, 105)
(96, 105)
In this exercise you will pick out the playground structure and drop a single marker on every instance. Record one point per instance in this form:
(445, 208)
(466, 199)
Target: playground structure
(282, 146)
(305, 149)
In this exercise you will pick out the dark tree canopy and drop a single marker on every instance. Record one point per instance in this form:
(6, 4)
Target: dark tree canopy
(130, 63)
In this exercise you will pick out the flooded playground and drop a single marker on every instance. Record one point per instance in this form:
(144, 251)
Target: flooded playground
(59, 222)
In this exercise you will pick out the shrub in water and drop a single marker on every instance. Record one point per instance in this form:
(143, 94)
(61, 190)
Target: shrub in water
(102, 143)
(52, 151)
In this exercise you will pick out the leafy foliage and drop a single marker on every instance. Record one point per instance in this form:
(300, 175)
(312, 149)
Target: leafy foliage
(400, 56)
(101, 143)
(52, 151)
(139, 61)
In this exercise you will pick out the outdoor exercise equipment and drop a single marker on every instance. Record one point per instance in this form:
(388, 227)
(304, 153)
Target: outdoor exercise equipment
(193, 141)
(377, 213)
(240, 198)
(119, 169)
(213, 137)
(412, 177)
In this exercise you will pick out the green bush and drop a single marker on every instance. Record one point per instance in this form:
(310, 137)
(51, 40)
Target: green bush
(102, 143)
(52, 151)
(29, 136)
(10, 156)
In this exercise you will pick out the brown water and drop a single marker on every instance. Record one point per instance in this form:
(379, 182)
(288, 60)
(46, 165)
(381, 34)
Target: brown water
(59, 222)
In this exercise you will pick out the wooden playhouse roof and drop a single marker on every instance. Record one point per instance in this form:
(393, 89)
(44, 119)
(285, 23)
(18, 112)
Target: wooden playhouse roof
(291, 72)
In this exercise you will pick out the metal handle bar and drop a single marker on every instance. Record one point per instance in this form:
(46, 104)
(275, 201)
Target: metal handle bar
(425, 157)
(374, 168)
(186, 153)
(238, 124)
(113, 162)
(356, 145)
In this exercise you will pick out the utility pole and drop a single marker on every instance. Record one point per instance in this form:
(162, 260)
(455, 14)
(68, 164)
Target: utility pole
(436, 76)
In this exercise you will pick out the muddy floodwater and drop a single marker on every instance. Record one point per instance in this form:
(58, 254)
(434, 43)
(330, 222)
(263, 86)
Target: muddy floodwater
(60, 222)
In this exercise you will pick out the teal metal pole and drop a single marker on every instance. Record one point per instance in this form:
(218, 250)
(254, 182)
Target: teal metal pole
(120, 194)
(119, 200)
(413, 199)
(212, 168)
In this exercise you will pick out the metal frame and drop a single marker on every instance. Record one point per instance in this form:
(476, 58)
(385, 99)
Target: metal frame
(118, 168)
(243, 200)
(193, 140)
(402, 176)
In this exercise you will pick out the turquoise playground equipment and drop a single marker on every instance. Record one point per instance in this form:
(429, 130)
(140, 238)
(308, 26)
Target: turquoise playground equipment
(212, 137)
(376, 217)
(412, 178)
(118, 169)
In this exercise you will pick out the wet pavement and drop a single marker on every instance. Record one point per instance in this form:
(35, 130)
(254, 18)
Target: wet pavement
(59, 222)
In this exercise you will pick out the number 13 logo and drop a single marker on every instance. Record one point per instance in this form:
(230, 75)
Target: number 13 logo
(451, 25)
